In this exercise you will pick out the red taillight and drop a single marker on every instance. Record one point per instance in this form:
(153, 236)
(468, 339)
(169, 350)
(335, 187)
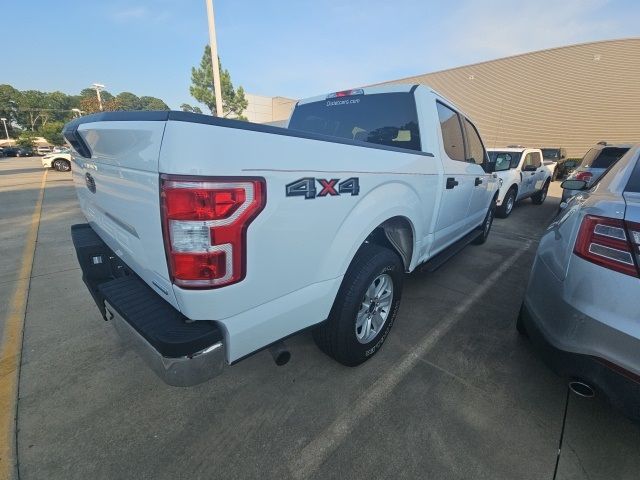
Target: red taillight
(584, 176)
(205, 224)
(610, 243)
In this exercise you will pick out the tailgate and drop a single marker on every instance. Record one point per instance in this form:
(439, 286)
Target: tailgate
(118, 190)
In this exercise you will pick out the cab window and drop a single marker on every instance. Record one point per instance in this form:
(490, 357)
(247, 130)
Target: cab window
(476, 152)
(451, 128)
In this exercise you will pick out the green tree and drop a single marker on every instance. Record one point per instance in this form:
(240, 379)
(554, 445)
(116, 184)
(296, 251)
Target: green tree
(233, 100)
(26, 139)
(152, 103)
(52, 132)
(128, 101)
(9, 99)
(185, 107)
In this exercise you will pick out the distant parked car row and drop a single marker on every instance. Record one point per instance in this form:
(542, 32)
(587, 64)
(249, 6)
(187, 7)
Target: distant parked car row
(16, 152)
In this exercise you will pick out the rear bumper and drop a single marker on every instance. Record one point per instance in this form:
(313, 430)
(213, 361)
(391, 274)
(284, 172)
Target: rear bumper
(180, 352)
(617, 385)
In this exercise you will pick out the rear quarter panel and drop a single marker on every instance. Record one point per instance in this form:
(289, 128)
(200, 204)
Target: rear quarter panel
(297, 242)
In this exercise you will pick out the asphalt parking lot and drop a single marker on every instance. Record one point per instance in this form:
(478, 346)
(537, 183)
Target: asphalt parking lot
(454, 393)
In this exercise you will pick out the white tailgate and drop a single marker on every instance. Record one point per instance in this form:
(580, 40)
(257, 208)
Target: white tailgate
(125, 208)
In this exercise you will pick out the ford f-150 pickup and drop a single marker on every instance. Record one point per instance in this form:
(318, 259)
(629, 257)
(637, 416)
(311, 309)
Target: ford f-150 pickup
(209, 239)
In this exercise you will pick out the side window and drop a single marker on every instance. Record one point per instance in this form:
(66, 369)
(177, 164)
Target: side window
(537, 159)
(528, 160)
(476, 153)
(451, 132)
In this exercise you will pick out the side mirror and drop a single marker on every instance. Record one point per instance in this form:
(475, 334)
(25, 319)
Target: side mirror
(529, 168)
(488, 166)
(574, 185)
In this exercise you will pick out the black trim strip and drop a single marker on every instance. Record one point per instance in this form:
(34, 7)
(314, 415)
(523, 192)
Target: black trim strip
(70, 129)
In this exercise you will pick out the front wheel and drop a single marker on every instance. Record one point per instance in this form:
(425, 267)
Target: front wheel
(62, 165)
(365, 308)
(504, 210)
(539, 197)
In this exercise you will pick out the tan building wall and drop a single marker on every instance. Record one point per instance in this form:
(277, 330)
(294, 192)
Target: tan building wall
(262, 109)
(568, 97)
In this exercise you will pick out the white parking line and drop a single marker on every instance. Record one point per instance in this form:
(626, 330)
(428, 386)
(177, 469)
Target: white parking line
(313, 455)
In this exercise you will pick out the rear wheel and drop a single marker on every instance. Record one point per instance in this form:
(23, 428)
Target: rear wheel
(539, 197)
(486, 225)
(61, 165)
(365, 308)
(509, 201)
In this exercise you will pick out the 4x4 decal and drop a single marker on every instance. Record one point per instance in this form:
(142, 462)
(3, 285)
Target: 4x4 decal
(306, 187)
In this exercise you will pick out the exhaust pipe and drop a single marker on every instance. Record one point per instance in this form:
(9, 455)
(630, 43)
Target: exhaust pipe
(582, 389)
(280, 353)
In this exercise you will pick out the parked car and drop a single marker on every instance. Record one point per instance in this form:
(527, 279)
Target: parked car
(582, 304)
(203, 263)
(42, 150)
(522, 175)
(2, 152)
(566, 167)
(60, 150)
(551, 157)
(58, 161)
(18, 151)
(594, 163)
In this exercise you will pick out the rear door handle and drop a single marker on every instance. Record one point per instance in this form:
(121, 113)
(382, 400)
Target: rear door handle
(451, 183)
(478, 181)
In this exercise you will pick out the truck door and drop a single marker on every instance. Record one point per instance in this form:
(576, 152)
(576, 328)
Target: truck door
(528, 170)
(477, 157)
(459, 179)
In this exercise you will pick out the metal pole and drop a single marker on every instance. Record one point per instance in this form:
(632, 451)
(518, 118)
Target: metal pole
(214, 58)
(98, 87)
(6, 132)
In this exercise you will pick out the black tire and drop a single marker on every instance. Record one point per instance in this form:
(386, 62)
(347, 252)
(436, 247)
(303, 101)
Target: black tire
(486, 224)
(337, 336)
(522, 330)
(539, 197)
(61, 165)
(504, 210)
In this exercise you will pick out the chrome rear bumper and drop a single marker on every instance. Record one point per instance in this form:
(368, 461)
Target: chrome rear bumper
(182, 371)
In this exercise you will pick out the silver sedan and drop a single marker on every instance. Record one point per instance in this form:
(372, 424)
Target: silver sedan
(582, 304)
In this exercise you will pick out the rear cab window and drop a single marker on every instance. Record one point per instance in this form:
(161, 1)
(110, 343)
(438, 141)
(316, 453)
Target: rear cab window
(389, 119)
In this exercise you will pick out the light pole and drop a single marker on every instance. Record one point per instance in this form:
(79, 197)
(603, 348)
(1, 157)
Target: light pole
(6, 132)
(215, 65)
(98, 88)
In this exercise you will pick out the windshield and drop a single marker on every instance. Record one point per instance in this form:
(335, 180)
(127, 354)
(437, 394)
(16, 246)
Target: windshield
(386, 119)
(596, 158)
(505, 160)
(551, 154)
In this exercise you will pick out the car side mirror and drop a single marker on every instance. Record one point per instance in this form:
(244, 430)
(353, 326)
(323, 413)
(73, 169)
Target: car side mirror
(574, 185)
(489, 166)
(529, 168)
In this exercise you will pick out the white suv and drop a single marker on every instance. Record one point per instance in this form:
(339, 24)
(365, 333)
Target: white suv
(522, 174)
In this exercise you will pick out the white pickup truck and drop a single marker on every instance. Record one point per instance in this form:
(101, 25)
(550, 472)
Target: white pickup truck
(210, 239)
(522, 174)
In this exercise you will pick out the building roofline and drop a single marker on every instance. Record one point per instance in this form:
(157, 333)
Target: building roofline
(508, 57)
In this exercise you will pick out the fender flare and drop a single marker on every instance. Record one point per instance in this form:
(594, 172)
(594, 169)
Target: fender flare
(399, 200)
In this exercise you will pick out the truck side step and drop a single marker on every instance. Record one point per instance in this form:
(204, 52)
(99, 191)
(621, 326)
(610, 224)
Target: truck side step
(441, 258)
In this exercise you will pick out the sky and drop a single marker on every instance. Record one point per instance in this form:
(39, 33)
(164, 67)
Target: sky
(294, 48)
